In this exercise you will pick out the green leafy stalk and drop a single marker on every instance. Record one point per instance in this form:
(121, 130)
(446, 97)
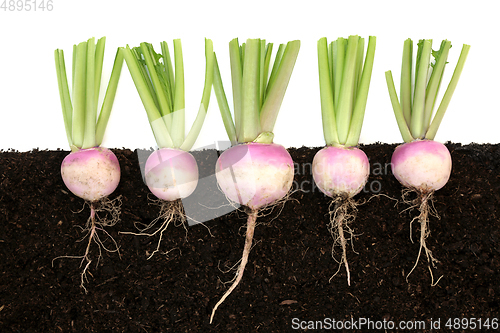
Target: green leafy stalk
(235, 55)
(421, 125)
(142, 85)
(168, 79)
(398, 111)
(161, 89)
(62, 83)
(83, 130)
(344, 109)
(362, 88)
(406, 78)
(417, 115)
(90, 106)
(431, 133)
(224, 105)
(276, 93)
(205, 99)
(79, 90)
(338, 47)
(157, 87)
(250, 103)
(178, 115)
(348, 82)
(109, 98)
(326, 94)
(99, 61)
(257, 98)
(435, 80)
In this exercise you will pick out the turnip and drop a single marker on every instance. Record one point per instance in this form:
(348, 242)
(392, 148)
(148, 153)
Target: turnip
(254, 172)
(422, 165)
(341, 169)
(90, 172)
(171, 172)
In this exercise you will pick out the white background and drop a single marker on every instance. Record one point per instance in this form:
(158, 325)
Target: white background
(29, 97)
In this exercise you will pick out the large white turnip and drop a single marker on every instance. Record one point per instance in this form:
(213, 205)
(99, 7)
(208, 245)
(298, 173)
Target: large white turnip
(255, 172)
(171, 172)
(341, 170)
(90, 172)
(420, 164)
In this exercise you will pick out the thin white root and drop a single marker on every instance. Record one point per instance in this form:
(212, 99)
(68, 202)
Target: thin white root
(423, 219)
(252, 218)
(170, 211)
(340, 218)
(93, 225)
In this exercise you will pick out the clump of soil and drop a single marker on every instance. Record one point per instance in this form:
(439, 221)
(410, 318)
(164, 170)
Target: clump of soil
(287, 277)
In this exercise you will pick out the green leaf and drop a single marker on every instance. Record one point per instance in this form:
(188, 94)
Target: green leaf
(326, 93)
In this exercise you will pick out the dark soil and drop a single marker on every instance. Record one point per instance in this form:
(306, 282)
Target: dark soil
(287, 280)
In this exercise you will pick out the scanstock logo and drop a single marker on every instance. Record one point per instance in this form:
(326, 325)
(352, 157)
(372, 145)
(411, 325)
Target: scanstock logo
(207, 202)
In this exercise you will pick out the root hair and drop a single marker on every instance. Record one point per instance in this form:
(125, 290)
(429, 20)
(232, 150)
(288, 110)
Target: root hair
(170, 212)
(424, 202)
(342, 215)
(94, 224)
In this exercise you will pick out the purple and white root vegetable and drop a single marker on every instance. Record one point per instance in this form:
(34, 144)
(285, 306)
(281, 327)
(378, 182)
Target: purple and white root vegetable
(341, 173)
(171, 174)
(341, 170)
(255, 175)
(421, 164)
(92, 173)
(255, 172)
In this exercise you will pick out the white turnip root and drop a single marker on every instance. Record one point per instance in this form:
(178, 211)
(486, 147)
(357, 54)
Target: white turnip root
(341, 173)
(423, 166)
(171, 175)
(92, 174)
(255, 175)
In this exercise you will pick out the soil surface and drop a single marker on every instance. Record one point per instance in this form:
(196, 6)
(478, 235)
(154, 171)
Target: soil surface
(288, 281)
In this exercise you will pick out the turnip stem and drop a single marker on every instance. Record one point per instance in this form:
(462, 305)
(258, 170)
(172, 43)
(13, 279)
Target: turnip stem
(422, 70)
(277, 88)
(236, 80)
(435, 82)
(252, 218)
(178, 115)
(406, 83)
(346, 100)
(223, 104)
(90, 106)
(250, 103)
(398, 112)
(362, 88)
(79, 88)
(431, 133)
(326, 94)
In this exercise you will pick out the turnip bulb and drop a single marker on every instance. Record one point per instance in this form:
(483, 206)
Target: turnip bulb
(91, 174)
(340, 171)
(422, 165)
(255, 174)
(171, 174)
